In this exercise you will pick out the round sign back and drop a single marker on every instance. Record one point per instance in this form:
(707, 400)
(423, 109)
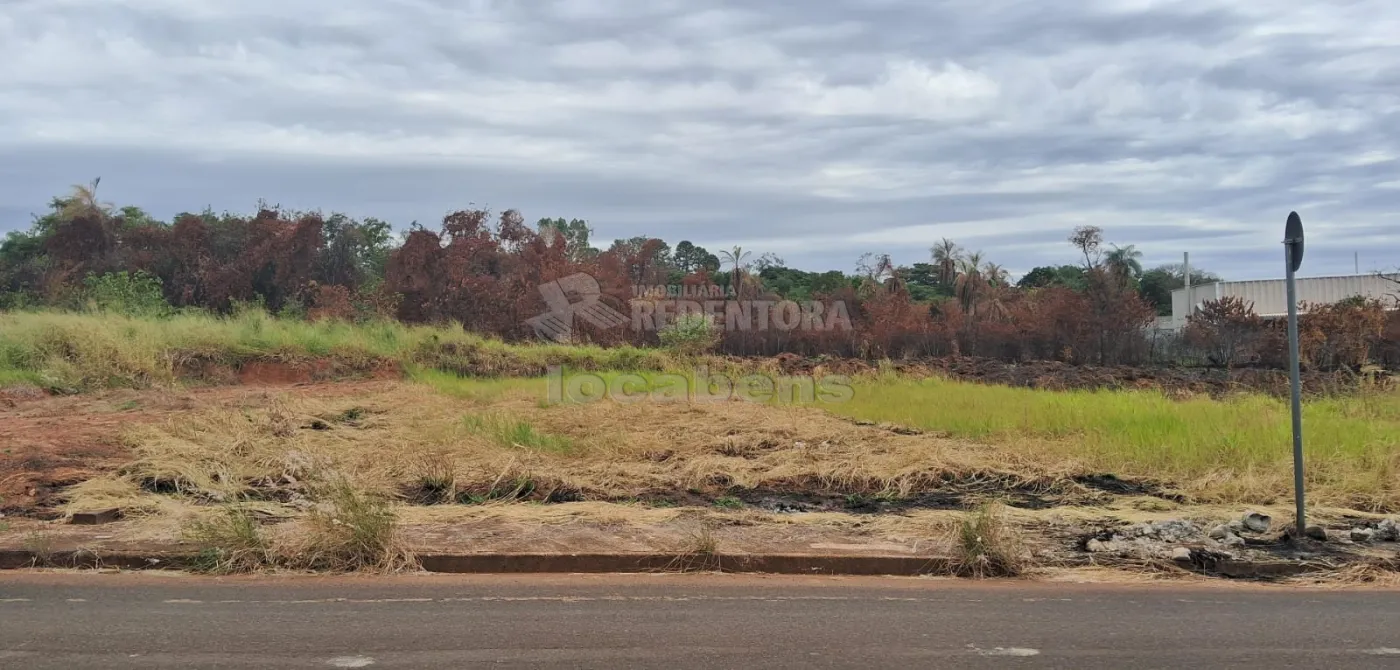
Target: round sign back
(1293, 237)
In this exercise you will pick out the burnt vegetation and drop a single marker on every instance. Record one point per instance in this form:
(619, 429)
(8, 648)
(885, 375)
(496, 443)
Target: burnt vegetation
(482, 270)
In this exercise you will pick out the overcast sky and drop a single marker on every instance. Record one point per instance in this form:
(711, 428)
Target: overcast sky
(815, 129)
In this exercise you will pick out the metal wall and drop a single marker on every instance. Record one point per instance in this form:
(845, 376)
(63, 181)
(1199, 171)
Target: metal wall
(1270, 295)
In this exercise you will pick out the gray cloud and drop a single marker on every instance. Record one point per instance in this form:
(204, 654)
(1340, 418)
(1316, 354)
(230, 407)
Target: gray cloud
(818, 130)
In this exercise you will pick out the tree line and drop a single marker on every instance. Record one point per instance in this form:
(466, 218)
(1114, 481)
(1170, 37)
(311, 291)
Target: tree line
(483, 269)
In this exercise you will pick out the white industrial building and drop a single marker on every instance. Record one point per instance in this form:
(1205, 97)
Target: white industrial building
(1269, 296)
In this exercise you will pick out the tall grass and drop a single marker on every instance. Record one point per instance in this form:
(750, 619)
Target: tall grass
(1351, 443)
(85, 351)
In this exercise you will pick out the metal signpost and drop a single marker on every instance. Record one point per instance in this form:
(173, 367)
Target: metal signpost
(1293, 257)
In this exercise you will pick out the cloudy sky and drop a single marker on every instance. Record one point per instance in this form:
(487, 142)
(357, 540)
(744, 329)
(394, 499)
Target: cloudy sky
(817, 130)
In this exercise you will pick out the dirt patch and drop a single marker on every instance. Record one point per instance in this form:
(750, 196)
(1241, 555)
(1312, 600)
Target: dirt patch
(40, 455)
(204, 370)
(282, 373)
(48, 443)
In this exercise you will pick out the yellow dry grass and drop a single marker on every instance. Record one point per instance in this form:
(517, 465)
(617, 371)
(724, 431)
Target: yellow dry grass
(398, 439)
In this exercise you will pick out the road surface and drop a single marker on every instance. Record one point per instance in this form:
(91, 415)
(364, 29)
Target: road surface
(678, 621)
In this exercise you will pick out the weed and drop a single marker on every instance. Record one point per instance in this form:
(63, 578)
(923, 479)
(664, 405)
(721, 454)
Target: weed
(436, 475)
(983, 545)
(729, 502)
(511, 432)
(350, 530)
(40, 546)
(700, 552)
(351, 415)
(230, 542)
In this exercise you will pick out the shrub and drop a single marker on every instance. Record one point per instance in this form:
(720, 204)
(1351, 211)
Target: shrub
(1342, 334)
(984, 547)
(690, 334)
(1227, 329)
(129, 293)
(350, 530)
(229, 542)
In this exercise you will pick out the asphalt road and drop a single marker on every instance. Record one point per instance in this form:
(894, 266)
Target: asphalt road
(678, 622)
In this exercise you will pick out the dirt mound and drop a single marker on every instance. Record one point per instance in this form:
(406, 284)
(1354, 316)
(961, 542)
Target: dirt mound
(1055, 375)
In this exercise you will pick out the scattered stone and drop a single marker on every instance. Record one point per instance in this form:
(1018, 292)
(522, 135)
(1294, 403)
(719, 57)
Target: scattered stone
(1221, 532)
(1171, 530)
(1388, 531)
(1256, 522)
(1232, 540)
(1316, 532)
(1182, 554)
(1362, 534)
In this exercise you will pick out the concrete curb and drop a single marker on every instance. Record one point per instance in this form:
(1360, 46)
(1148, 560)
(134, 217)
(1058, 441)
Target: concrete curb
(782, 564)
(787, 564)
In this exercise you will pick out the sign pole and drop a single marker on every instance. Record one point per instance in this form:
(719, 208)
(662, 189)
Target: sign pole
(1293, 258)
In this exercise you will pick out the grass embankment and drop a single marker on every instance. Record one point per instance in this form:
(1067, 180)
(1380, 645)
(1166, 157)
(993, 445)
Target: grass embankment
(1236, 448)
(70, 352)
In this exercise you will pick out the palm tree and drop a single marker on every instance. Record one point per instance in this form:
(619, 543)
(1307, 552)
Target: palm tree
(736, 256)
(84, 201)
(946, 255)
(996, 274)
(970, 283)
(1126, 261)
(971, 263)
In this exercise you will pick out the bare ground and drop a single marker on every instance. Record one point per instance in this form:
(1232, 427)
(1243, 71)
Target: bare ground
(741, 477)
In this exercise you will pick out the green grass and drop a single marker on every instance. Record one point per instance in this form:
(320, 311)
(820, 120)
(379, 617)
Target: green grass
(69, 351)
(508, 431)
(1352, 443)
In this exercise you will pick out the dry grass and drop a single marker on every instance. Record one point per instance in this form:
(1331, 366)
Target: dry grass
(347, 531)
(350, 531)
(700, 552)
(408, 439)
(230, 541)
(985, 546)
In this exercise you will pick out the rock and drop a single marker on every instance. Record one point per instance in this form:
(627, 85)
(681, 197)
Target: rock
(1232, 540)
(1097, 546)
(1388, 531)
(1256, 522)
(1236, 526)
(1221, 532)
(1362, 534)
(1181, 554)
(1316, 533)
(1171, 530)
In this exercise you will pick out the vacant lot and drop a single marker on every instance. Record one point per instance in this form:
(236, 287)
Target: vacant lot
(200, 427)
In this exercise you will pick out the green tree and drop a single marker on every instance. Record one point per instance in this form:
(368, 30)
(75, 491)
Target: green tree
(689, 257)
(1069, 276)
(1158, 283)
(574, 232)
(1125, 261)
